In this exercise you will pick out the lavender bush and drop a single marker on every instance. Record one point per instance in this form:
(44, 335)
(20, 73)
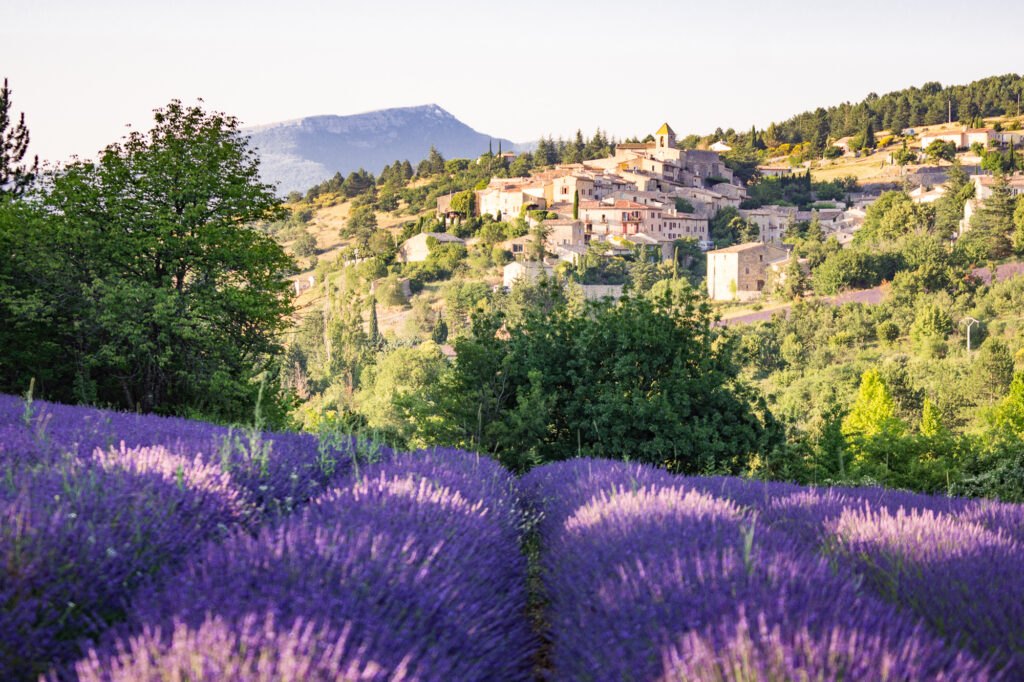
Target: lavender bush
(415, 566)
(281, 471)
(77, 537)
(963, 578)
(649, 578)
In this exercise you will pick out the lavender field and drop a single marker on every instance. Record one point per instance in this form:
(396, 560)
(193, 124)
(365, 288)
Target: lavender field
(147, 548)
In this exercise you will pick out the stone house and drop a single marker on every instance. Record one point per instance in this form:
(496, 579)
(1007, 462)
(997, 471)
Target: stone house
(618, 217)
(563, 189)
(740, 271)
(980, 135)
(506, 197)
(954, 136)
(527, 271)
(564, 232)
(771, 221)
(774, 171)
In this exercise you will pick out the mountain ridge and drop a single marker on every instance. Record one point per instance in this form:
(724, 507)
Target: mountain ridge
(298, 153)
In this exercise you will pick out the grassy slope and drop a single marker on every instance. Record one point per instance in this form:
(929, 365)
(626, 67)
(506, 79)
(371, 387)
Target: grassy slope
(325, 225)
(875, 168)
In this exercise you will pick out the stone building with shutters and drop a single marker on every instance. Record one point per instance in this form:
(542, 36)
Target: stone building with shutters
(739, 272)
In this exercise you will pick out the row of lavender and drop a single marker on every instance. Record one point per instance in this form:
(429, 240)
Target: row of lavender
(652, 576)
(94, 504)
(411, 571)
(954, 562)
(278, 471)
(186, 551)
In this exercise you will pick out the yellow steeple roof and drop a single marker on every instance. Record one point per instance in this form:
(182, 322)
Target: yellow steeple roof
(665, 130)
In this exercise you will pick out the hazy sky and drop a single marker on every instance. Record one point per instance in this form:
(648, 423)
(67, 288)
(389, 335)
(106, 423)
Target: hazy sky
(81, 71)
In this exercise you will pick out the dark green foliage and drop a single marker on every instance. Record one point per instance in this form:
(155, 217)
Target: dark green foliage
(440, 333)
(683, 206)
(867, 140)
(138, 281)
(897, 110)
(723, 227)
(892, 216)
(854, 269)
(995, 215)
(374, 337)
(940, 150)
(304, 245)
(648, 381)
(991, 371)
(949, 209)
(796, 190)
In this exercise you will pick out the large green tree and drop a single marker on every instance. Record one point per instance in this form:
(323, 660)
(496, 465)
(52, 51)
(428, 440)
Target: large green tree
(892, 216)
(138, 280)
(642, 379)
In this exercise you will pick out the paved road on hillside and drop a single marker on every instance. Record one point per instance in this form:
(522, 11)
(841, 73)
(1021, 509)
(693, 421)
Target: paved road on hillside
(876, 295)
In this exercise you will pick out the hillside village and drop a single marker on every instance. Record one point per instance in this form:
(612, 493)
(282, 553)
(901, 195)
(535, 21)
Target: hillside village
(653, 194)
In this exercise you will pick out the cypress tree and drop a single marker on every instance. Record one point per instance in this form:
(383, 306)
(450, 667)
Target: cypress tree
(440, 333)
(490, 147)
(869, 136)
(576, 205)
(375, 338)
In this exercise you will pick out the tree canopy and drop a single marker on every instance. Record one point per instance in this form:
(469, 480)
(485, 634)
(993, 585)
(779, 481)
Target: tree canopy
(649, 380)
(139, 281)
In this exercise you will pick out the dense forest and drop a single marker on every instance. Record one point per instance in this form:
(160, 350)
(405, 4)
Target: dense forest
(894, 111)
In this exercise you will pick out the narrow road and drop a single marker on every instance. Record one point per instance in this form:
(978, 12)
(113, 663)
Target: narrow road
(876, 295)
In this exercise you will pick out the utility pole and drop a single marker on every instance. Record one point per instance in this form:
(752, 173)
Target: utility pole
(327, 312)
(970, 321)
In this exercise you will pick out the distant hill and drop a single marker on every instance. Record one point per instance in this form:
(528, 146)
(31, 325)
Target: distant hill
(295, 155)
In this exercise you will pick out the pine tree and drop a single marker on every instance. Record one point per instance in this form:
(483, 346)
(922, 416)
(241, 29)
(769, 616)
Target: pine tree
(996, 213)
(14, 178)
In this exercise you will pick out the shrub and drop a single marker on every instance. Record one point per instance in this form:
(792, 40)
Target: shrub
(888, 332)
(304, 245)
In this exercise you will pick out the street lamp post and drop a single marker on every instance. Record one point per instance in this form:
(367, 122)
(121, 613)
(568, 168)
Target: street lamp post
(970, 322)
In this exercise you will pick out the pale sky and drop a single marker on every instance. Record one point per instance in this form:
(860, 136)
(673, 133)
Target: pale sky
(81, 71)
